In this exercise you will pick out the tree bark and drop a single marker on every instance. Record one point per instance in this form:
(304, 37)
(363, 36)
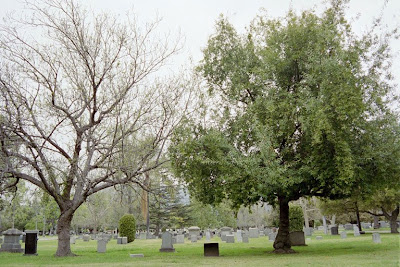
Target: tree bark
(358, 216)
(376, 222)
(392, 219)
(63, 228)
(282, 242)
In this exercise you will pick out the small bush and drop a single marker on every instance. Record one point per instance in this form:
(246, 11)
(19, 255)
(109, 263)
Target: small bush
(296, 218)
(127, 227)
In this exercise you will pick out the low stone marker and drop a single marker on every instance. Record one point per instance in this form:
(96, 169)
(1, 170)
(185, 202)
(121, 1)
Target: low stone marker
(271, 236)
(101, 245)
(343, 235)
(166, 245)
(180, 239)
(334, 230)
(239, 236)
(11, 241)
(86, 238)
(308, 231)
(376, 238)
(253, 233)
(142, 235)
(31, 237)
(348, 226)
(211, 250)
(318, 237)
(119, 240)
(223, 237)
(124, 240)
(245, 238)
(208, 236)
(136, 255)
(193, 238)
(230, 239)
(356, 231)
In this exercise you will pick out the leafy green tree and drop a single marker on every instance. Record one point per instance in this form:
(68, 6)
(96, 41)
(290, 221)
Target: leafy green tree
(296, 218)
(295, 95)
(127, 227)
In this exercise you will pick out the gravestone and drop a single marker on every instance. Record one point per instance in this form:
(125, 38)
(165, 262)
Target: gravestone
(119, 240)
(308, 231)
(356, 231)
(86, 238)
(72, 240)
(173, 239)
(343, 235)
(193, 238)
(335, 230)
(271, 236)
(297, 238)
(226, 230)
(180, 239)
(194, 230)
(267, 231)
(239, 236)
(376, 238)
(383, 224)
(143, 235)
(318, 237)
(230, 239)
(31, 237)
(348, 226)
(11, 241)
(208, 236)
(253, 233)
(223, 237)
(101, 245)
(245, 238)
(166, 245)
(136, 255)
(262, 233)
(124, 240)
(211, 250)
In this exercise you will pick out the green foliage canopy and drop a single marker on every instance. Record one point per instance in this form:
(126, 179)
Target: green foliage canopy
(127, 227)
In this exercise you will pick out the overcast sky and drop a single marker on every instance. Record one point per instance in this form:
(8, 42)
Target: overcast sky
(195, 18)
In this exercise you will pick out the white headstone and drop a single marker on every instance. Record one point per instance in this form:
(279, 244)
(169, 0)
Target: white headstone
(239, 236)
(376, 238)
(208, 235)
(180, 239)
(343, 235)
(254, 232)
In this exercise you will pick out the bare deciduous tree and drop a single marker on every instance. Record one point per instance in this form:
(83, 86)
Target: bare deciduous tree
(79, 110)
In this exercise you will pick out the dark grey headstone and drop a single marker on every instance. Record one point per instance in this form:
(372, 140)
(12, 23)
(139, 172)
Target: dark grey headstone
(31, 238)
(211, 250)
(297, 238)
(335, 230)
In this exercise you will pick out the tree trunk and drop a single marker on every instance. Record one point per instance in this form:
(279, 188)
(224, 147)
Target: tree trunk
(63, 228)
(358, 216)
(376, 222)
(282, 242)
(392, 219)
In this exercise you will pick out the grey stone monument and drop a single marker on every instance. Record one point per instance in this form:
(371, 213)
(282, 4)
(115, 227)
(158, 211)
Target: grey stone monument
(239, 236)
(180, 239)
(208, 236)
(376, 238)
(72, 240)
(245, 238)
(143, 235)
(119, 240)
(194, 230)
(318, 237)
(308, 231)
(356, 231)
(271, 236)
(223, 237)
(166, 245)
(348, 226)
(11, 241)
(101, 245)
(86, 238)
(230, 239)
(124, 240)
(343, 235)
(193, 238)
(253, 233)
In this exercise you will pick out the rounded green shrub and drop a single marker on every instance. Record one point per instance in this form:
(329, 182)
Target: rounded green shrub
(127, 227)
(296, 218)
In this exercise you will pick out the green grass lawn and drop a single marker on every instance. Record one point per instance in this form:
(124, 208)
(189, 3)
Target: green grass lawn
(331, 251)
